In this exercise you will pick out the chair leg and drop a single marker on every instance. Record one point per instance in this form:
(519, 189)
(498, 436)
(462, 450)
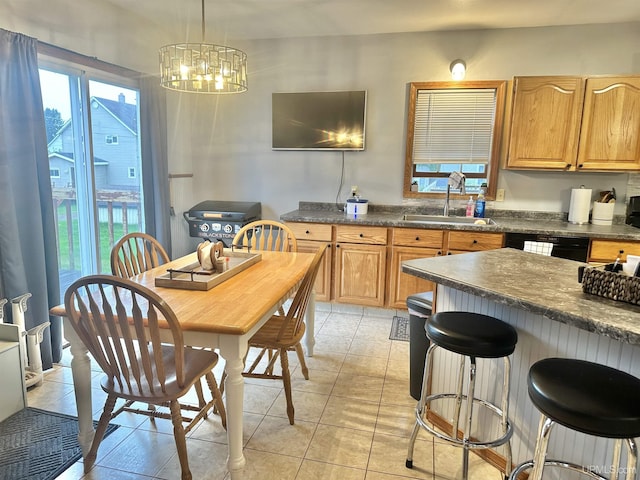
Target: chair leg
(467, 430)
(217, 397)
(303, 364)
(201, 400)
(540, 454)
(420, 407)
(286, 379)
(100, 431)
(505, 415)
(458, 407)
(179, 437)
(632, 458)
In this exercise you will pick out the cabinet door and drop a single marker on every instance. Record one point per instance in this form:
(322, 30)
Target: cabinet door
(545, 122)
(360, 274)
(402, 284)
(323, 280)
(609, 250)
(610, 136)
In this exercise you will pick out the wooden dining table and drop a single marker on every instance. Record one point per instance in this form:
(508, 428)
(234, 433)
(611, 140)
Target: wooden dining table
(224, 317)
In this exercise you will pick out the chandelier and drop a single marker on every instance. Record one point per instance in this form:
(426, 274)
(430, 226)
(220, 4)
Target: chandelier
(203, 67)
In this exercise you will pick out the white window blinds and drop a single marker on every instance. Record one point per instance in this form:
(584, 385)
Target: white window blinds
(454, 126)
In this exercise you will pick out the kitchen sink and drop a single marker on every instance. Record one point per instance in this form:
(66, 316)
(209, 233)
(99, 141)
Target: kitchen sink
(448, 220)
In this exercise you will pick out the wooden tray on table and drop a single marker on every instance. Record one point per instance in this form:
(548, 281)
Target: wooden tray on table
(193, 277)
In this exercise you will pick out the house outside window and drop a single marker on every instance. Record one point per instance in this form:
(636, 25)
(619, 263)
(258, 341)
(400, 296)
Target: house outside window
(97, 200)
(453, 127)
(54, 172)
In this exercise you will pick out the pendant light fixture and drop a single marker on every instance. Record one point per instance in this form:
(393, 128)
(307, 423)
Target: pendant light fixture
(203, 67)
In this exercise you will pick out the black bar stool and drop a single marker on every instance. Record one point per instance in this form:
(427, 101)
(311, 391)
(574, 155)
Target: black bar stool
(589, 398)
(471, 335)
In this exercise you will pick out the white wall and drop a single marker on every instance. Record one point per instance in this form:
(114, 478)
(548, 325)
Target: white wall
(225, 140)
(230, 135)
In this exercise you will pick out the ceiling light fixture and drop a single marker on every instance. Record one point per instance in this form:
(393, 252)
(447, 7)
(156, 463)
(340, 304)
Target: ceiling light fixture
(458, 69)
(203, 67)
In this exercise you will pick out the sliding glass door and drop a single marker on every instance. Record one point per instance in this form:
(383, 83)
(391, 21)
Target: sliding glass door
(94, 164)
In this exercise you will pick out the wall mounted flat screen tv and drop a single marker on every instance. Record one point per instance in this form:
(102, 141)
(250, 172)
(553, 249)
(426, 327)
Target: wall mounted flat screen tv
(319, 120)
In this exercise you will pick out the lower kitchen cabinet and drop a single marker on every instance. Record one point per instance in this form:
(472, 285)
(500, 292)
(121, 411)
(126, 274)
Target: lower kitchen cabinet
(310, 237)
(362, 265)
(409, 244)
(607, 251)
(323, 280)
(359, 274)
(401, 285)
(360, 261)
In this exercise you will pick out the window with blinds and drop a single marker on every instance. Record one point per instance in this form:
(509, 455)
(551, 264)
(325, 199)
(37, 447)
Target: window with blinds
(453, 127)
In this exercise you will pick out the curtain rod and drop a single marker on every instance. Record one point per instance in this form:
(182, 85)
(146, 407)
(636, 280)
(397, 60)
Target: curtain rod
(78, 58)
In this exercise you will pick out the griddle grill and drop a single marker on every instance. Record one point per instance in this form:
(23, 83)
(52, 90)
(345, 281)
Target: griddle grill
(220, 220)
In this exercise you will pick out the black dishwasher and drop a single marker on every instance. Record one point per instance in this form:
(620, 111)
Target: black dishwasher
(572, 248)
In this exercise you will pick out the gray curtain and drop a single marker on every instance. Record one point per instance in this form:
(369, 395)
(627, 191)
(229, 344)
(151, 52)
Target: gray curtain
(28, 253)
(155, 167)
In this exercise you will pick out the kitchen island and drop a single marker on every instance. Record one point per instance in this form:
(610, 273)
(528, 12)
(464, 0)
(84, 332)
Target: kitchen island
(541, 297)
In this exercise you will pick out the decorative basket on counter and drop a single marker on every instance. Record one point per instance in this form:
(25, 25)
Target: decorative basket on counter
(616, 286)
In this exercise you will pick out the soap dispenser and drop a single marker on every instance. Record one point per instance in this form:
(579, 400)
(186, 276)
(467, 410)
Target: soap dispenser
(471, 206)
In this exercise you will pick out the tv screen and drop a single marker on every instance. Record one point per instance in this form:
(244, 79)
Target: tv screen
(319, 120)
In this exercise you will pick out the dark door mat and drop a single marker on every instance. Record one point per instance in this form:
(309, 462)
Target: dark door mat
(399, 329)
(39, 445)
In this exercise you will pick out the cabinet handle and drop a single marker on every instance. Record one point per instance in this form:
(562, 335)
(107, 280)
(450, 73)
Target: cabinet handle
(448, 253)
(439, 252)
(361, 235)
(621, 252)
(568, 165)
(417, 239)
(475, 241)
(307, 232)
(581, 165)
(338, 246)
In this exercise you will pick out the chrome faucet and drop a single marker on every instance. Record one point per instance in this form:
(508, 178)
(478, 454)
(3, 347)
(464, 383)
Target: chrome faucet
(456, 180)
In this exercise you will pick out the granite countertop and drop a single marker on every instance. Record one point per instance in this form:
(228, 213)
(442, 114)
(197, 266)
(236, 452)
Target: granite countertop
(535, 283)
(506, 221)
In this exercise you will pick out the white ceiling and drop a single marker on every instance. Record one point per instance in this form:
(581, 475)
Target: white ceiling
(261, 19)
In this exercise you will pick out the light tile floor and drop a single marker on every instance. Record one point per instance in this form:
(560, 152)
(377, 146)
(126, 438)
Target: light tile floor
(353, 418)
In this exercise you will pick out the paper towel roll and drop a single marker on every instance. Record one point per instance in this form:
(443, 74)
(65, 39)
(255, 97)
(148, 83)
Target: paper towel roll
(579, 206)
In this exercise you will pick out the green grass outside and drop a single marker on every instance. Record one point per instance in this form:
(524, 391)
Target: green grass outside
(105, 246)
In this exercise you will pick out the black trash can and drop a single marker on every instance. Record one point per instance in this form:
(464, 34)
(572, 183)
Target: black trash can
(419, 306)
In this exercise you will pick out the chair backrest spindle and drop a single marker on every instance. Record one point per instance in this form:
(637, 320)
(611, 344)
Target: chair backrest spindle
(135, 253)
(266, 235)
(119, 321)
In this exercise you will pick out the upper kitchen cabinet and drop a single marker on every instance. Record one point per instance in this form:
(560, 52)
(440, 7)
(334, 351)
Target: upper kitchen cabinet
(610, 132)
(545, 122)
(575, 124)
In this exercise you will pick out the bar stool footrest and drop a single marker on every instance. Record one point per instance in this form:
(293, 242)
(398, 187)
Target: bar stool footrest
(559, 464)
(461, 442)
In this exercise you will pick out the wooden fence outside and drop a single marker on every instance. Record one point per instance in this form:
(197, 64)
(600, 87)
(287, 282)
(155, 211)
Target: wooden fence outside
(117, 204)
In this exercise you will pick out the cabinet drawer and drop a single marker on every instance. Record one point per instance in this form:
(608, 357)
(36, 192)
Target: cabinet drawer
(357, 234)
(311, 231)
(608, 250)
(473, 241)
(418, 237)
